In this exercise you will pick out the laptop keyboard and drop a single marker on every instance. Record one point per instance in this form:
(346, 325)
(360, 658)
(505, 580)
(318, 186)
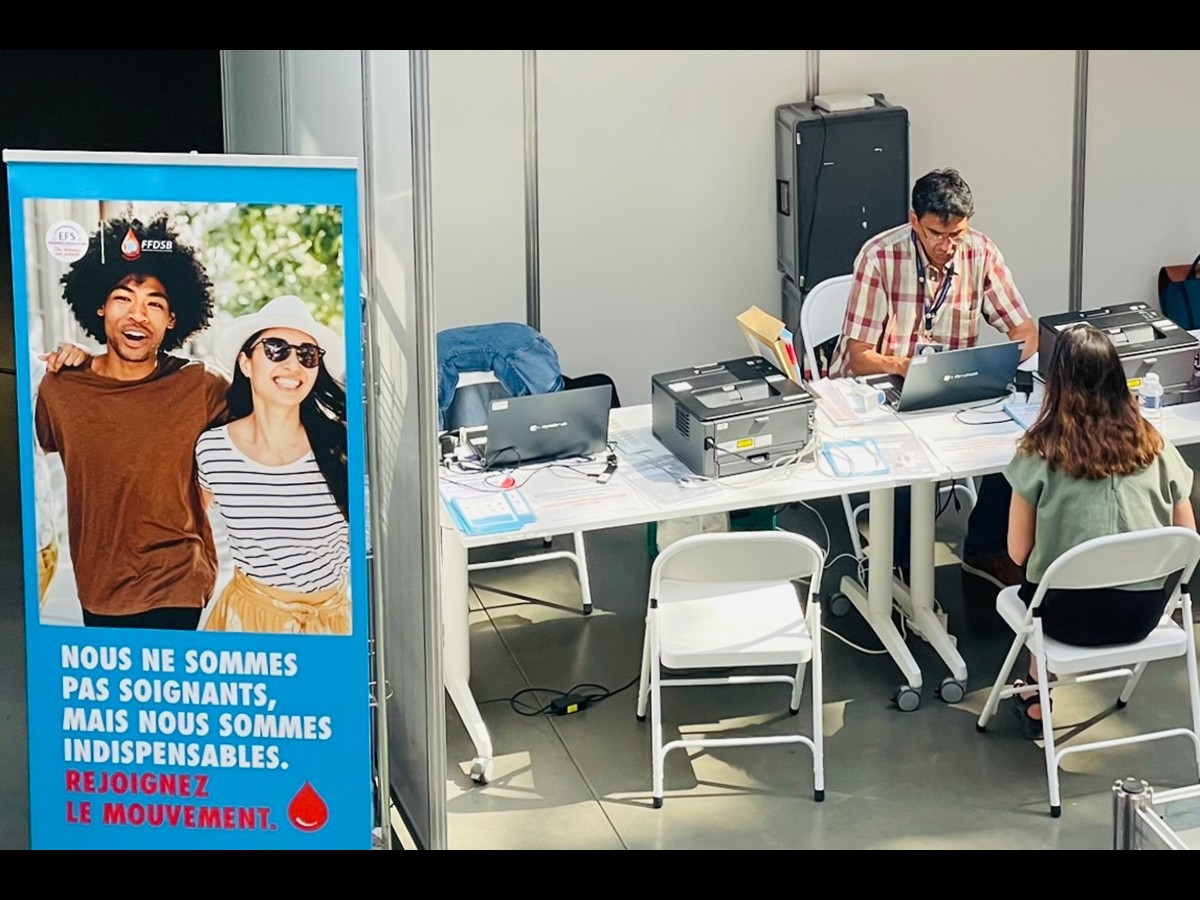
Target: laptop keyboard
(893, 396)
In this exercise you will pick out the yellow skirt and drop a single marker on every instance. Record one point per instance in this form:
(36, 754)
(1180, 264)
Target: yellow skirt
(47, 566)
(247, 605)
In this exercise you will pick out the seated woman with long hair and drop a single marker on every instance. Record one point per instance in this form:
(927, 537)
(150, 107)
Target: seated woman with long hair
(277, 473)
(1090, 466)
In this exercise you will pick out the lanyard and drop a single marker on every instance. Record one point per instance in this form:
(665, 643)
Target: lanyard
(943, 292)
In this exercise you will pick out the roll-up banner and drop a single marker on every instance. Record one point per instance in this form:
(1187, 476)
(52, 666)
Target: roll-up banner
(190, 408)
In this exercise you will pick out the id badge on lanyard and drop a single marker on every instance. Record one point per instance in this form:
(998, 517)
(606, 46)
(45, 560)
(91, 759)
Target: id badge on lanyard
(926, 343)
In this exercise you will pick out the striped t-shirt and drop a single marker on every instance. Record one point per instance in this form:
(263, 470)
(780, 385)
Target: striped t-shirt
(285, 530)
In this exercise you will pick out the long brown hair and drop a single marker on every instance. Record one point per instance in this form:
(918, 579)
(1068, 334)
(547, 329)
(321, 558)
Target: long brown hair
(1090, 425)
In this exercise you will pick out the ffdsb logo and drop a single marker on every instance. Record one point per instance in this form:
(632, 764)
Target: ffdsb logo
(132, 248)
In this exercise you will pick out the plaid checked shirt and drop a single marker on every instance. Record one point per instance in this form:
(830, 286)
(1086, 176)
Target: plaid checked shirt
(885, 308)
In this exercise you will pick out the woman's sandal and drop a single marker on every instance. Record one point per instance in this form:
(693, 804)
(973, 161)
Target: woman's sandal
(1031, 728)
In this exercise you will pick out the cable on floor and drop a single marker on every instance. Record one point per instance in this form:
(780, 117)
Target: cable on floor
(850, 643)
(575, 699)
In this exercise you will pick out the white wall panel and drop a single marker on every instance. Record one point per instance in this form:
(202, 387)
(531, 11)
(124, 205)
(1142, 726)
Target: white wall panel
(477, 136)
(324, 102)
(1142, 201)
(416, 713)
(253, 100)
(1003, 118)
(657, 203)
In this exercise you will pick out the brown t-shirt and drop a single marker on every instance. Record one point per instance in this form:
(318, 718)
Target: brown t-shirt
(139, 534)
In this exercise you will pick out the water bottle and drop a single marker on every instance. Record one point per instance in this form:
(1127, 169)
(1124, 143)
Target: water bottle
(1150, 394)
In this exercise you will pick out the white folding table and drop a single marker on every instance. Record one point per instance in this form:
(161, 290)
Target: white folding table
(580, 505)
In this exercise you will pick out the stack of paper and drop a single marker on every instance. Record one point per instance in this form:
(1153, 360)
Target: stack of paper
(769, 338)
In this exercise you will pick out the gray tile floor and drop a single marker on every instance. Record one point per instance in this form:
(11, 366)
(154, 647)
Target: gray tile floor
(893, 780)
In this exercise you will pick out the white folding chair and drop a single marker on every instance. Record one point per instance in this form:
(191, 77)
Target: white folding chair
(1114, 561)
(822, 317)
(725, 600)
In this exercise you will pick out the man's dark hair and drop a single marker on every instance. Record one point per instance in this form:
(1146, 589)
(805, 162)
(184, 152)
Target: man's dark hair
(91, 278)
(943, 193)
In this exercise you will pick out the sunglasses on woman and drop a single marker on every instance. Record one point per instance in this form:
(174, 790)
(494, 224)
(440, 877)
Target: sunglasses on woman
(276, 349)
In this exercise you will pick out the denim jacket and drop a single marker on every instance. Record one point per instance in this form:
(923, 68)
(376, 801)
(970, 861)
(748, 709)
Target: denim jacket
(521, 359)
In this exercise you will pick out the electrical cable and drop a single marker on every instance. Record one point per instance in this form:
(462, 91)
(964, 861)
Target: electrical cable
(575, 699)
(812, 216)
(771, 472)
(850, 643)
(572, 700)
(1007, 398)
(829, 346)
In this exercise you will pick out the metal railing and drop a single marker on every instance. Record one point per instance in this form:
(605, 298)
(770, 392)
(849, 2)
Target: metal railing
(1144, 819)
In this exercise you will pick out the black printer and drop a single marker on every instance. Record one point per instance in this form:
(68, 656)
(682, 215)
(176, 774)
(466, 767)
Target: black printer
(1146, 341)
(729, 417)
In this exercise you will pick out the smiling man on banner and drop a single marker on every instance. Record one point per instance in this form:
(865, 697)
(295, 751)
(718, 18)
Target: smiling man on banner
(125, 424)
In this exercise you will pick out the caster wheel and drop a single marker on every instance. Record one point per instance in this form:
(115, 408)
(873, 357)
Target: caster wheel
(839, 605)
(906, 698)
(587, 610)
(951, 691)
(481, 771)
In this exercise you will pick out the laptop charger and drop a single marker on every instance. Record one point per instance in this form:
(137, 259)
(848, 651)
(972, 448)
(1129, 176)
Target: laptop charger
(568, 704)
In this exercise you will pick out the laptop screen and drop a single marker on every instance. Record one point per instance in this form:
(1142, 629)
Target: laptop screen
(559, 425)
(952, 377)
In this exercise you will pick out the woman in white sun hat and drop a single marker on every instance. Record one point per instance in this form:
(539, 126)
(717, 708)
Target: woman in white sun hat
(277, 473)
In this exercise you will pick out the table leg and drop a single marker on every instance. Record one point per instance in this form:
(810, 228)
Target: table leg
(456, 637)
(875, 604)
(918, 600)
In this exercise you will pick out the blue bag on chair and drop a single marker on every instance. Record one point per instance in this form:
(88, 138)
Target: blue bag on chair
(522, 361)
(1179, 294)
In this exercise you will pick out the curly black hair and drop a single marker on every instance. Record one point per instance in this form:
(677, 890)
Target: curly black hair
(90, 279)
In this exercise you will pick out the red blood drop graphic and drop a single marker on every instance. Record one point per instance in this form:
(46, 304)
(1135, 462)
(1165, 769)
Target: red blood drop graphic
(131, 247)
(307, 811)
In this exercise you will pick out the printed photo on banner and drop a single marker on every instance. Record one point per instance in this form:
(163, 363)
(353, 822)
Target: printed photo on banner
(190, 415)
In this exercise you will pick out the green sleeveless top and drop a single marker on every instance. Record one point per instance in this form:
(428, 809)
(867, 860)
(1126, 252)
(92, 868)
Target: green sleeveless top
(1073, 510)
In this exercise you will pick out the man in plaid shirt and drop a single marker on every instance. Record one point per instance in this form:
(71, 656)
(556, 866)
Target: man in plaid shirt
(922, 288)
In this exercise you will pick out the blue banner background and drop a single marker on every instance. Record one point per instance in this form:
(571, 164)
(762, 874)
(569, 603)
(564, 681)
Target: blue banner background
(331, 674)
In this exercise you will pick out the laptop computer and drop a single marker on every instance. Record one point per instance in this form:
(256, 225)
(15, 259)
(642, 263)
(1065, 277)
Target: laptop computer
(954, 377)
(558, 425)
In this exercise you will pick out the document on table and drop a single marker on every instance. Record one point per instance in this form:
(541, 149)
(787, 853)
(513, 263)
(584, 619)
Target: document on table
(653, 470)
(560, 500)
(898, 455)
(978, 448)
(906, 455)
(555, 499)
